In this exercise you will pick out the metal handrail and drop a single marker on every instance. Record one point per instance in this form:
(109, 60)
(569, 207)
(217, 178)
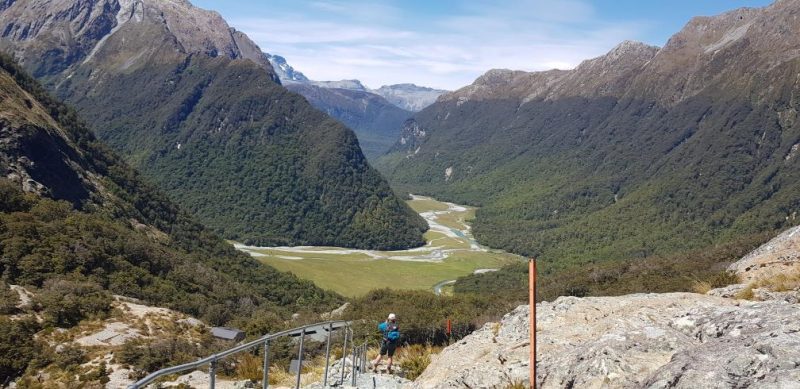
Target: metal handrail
(212, 359)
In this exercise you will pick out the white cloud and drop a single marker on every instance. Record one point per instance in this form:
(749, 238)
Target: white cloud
(379, 44)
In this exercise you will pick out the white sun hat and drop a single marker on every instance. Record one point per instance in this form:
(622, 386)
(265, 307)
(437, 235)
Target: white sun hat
(391, 316)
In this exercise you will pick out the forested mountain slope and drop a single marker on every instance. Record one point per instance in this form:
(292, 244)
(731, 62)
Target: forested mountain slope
(643, 151)
(196, 106)
(376, 122)
(77, 224)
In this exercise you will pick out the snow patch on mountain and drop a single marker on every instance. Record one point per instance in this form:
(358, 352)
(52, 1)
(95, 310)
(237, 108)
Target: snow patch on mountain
(409, 97)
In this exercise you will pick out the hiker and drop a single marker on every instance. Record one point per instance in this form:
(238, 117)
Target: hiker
(391, 336)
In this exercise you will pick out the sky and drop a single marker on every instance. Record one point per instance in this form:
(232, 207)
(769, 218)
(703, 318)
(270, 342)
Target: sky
(447, 44)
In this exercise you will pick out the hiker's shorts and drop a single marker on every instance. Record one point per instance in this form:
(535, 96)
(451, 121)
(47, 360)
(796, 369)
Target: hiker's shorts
(388, 348)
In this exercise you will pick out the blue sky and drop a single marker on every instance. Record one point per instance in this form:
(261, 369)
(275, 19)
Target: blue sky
(447, 44)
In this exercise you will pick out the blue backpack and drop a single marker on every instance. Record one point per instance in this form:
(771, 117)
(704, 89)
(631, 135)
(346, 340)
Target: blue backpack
(391, 332)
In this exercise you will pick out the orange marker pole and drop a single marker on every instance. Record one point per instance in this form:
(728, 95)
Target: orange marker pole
(532, 300)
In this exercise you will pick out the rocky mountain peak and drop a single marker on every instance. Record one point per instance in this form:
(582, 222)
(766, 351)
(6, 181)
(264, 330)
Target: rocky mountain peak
(408, 96)
(605, 75)
(286, 72)
(742, 41)
(355, 85)
(84, 28)
(404, 86)
(497, 77)
(633, 51)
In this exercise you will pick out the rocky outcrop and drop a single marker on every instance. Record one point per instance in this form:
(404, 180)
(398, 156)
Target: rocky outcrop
(675, 340)
(412, 136)
(51, 36)
(780, 255)
(607, 75)
(285, 72)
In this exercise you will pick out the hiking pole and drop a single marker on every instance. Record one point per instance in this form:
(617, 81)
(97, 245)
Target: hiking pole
(532, 319)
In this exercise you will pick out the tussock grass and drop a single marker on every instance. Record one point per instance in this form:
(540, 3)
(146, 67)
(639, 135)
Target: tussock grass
(312, 372)
(783, 282)
(745, 294)
(250, 367)
(414, 359)
(701, 287)
(780, 283)
(516, 385)
(717, 280)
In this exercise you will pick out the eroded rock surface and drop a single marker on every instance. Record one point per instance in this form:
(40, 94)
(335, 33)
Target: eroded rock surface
(676, 340)
(781, 255)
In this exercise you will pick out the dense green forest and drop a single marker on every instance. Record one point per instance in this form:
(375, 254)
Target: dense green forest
(580, 180)
(249, 159)
(422, 315)
(202, 116)
(375, 120)
(680, 272)
(98, 229)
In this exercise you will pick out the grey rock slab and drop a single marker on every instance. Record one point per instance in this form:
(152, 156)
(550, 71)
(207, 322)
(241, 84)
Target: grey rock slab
(781, 255)
(682, 340)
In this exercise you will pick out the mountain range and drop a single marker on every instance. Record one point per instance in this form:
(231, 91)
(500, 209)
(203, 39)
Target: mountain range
(198, 108)
(409, 97)
(641, 152)
(376, 115)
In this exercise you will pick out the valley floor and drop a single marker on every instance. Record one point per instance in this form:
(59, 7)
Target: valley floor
(451, 252)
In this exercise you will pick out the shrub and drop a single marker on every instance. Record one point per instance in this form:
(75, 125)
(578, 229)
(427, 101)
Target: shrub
(250, 367)
(147, 357)
(422, 315)
(17, 345)
(68, 357)
(9, 300)
(66, 302)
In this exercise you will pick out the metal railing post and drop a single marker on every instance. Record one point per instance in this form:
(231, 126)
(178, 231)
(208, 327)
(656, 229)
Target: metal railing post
(364, 358)
(354, 363)
(300, 358)
(327, 355)
(212, 374)
(344, 354)
(265, 382)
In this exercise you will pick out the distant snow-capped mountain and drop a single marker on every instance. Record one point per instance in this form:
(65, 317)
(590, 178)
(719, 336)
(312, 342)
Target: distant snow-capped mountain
(285, 72)
(409, 97)
(342, 84)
